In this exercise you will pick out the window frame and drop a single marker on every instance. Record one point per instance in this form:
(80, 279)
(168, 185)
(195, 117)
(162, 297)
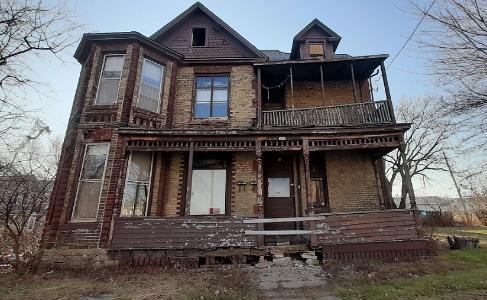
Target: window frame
(101, 77)
(322, 44)
(211, 96)
(127, 181)
(161, 86)
(192, 37)
(78, 220)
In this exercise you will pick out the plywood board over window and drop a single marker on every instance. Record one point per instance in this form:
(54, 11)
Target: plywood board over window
(316, 50)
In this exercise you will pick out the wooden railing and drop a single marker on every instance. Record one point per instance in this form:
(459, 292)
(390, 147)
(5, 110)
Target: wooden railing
(349, 114)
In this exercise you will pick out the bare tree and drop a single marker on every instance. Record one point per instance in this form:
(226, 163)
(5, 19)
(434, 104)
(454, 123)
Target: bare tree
(29, 29)
(25, 185)
(424, 145)
(455, 37)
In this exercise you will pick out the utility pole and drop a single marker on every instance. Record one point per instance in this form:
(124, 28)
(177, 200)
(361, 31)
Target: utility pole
(467, 216)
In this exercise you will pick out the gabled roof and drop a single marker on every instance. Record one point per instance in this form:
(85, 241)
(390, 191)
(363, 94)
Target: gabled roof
(198, 6)
(333, 36)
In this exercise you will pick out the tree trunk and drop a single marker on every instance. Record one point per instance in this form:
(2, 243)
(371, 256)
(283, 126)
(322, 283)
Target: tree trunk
(404, 193)
(16, 250)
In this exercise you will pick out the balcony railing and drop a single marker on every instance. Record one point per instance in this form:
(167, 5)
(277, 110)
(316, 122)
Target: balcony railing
(349, 114)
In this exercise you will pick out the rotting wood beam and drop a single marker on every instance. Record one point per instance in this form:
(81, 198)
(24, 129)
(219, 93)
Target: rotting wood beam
(189, 177)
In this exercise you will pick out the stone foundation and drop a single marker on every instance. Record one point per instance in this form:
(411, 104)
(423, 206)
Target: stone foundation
(75, 259)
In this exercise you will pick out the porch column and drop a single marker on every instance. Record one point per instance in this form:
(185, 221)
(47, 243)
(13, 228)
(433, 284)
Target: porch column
(388, 92)
(259, 98)
(292, 85)
(189, 178)
(307, 178)
(260, 198)
(353, 83)
(322, 85)
(405, 166)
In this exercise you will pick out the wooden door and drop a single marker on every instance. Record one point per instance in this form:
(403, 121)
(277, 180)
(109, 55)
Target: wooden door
(279, 196)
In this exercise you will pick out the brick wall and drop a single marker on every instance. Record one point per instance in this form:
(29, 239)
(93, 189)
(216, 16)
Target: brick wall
(309, 94)
(174, 185)
(241, 98)
(352, 183)
(244, 197)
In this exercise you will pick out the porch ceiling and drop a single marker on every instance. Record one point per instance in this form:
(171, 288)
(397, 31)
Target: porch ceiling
(333, 69)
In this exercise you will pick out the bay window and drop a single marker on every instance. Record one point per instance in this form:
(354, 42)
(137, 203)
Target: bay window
(107, 92)
(90, 182)
(136, 192)
(150, 86)
(211, 97)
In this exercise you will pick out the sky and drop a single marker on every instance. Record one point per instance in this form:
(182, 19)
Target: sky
(366, 27)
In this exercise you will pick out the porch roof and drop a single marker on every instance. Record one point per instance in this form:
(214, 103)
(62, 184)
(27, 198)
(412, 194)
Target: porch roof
(337, 68)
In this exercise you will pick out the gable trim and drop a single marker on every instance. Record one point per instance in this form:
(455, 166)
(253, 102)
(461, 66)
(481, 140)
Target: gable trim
(213, 17)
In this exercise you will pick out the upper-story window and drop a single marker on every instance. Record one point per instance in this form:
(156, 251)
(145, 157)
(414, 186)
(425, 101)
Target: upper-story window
(150, 86)
(109, 80)
(198, 37)
(211, 96)
(316, 50)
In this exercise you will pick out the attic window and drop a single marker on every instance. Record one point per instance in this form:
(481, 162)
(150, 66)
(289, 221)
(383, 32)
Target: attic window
(199, 37)
(316, 50)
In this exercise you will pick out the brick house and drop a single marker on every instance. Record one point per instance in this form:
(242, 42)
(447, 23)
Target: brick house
(194, 143)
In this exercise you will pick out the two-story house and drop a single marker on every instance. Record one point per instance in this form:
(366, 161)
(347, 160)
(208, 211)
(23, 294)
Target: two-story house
(193, 144)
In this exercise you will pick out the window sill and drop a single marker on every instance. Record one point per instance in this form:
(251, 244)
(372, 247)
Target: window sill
(102, 107)
(138, 110)
(210, 121)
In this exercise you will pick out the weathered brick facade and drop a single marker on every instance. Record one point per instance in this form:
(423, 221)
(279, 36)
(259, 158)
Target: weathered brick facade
(172, 135)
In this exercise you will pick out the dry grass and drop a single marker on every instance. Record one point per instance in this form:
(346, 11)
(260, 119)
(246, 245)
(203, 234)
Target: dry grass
(221, 283)
(462, 273)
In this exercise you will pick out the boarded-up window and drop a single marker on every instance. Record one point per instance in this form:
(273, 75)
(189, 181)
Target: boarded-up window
(110, 80)
(208, 187)
(90, 182)
(150, 86)
(316, 50)
(136, 193)
(211, 97)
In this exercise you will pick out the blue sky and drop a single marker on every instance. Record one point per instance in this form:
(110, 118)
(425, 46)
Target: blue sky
(366, 27)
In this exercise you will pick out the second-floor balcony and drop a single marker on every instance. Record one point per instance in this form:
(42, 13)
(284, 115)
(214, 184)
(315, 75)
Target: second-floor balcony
(368, 113)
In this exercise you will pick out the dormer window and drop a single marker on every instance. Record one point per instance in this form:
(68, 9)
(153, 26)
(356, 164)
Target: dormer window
(316, 50)
(198, 38)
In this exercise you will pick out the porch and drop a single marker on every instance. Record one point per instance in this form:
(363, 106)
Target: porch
(356, 235)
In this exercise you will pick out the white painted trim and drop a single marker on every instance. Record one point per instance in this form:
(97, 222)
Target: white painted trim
(100, 78)
(279, 220)
(73, 220)
(283, 232)
(163, 70)
(127, 180)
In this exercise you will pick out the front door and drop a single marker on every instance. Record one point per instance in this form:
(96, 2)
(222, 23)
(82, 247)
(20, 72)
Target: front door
(279, 196)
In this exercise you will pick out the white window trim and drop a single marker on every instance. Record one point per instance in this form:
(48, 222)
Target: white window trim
(163, 70)
(78, 220)
(101, 74)
(150, 185)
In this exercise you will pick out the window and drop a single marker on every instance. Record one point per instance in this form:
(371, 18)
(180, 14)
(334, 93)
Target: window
(90, 182)
(136, 193)
(150, 86)
(198, 38)
(316, 50)
(208, 187)
(211, 97)
(109, 80)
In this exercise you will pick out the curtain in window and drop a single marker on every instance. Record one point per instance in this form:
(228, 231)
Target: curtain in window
(150, 86)
(136, 193)
(90, 182)
(211, 97)
(208, 192)
(110, 80)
